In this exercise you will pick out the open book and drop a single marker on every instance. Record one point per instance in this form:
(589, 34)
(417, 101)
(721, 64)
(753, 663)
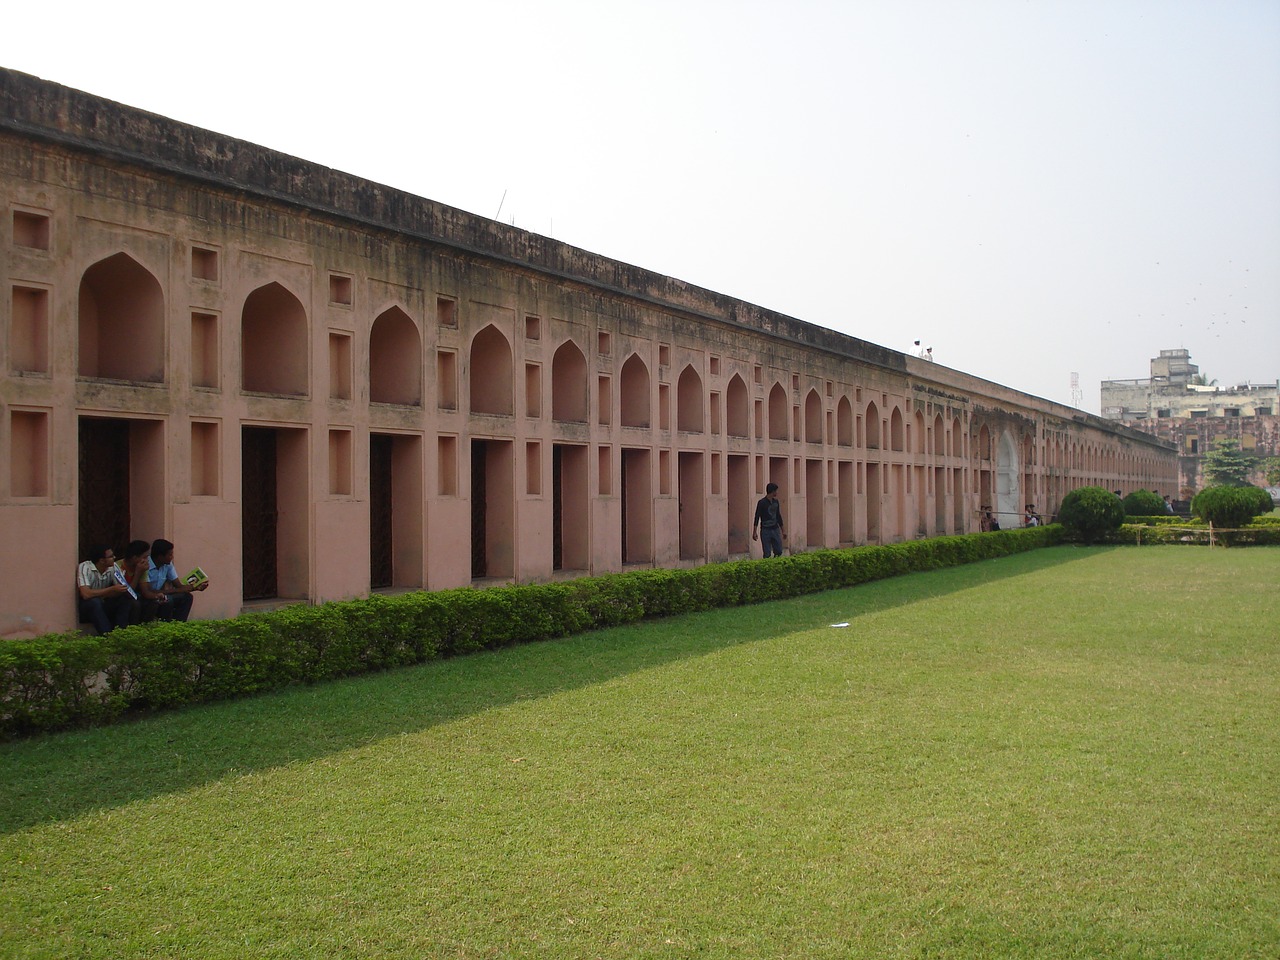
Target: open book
(196, 577)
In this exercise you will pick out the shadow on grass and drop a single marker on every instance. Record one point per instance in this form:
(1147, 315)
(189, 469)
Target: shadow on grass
(62, 776)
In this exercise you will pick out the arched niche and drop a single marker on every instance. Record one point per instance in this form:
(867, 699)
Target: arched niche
(689, 401)
(844, 422)
(121, 322)
(634, 393)
(491, 389)
(873, 426)
(1009, 501)
(738, 407)
(569, 384)
(273, 343)
(779, 414)
(895, 430)
(813, 417)
(395, 359)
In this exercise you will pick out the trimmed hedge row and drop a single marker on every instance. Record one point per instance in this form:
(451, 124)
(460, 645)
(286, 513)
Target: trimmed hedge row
(1258, 535)
(1167, 520)
(65, 680)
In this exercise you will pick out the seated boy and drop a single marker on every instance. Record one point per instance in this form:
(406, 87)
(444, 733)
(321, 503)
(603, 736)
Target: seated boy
(104, 601)
(172, 598)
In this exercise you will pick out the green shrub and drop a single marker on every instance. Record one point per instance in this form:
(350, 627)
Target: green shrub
(1225, 506)
(55, 681)
(1267, 535)
(1163, 520)
(1262, 502)
(1259, 535)
(1090, 513)
(1143, 503)
(66, 680)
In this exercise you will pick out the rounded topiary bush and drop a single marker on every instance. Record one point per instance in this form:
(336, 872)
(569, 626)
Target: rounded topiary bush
(1225, 506)
(1143, 503)
(1090, 513)
(1261, 499)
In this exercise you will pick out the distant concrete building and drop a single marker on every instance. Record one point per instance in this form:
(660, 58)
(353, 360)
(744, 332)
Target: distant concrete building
(1172, 404)
(1173, 390)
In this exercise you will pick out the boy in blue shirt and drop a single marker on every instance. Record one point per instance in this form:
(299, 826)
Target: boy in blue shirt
(172, 597)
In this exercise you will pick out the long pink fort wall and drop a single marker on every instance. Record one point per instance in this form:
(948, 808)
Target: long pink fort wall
(318, 386)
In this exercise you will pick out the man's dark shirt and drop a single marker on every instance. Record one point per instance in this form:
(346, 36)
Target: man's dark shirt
(768, 513)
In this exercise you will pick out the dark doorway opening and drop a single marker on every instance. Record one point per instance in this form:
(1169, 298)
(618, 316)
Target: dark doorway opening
(570, 519)
(259, 516)
(557, 507)
(104, 484)
(637, 506)
(479, 558)
(381, 515)
(492, 508)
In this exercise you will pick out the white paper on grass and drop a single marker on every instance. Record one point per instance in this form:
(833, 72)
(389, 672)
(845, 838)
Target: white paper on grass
(845, 624)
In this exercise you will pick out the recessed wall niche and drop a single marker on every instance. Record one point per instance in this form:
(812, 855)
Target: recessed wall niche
(340, 463)
(274, 338)
(31, 230)
(446, 311)
(605, 478)
(205, 462)
(340, 290)
(205, 355)
(28, 453)
(604, 406)
(533, 389)
(533, 468)
(29, 331)
(339, 366)
(447, 466)
(204, 264)
(447, 380)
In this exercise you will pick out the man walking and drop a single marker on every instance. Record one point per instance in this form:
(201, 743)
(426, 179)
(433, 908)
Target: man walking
(768, 521)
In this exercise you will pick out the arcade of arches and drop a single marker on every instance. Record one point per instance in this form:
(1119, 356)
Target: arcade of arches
(316, 407)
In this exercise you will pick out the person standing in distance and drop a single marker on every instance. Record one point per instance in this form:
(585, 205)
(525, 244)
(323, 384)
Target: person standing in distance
(768, 523)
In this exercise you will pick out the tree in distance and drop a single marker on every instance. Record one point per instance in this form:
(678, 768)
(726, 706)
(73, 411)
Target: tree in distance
(1226, 465)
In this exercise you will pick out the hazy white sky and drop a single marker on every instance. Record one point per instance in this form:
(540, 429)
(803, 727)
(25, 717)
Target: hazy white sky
(1032, 187)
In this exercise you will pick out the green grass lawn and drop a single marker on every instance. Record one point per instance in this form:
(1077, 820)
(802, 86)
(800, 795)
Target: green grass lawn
(1068, 753)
